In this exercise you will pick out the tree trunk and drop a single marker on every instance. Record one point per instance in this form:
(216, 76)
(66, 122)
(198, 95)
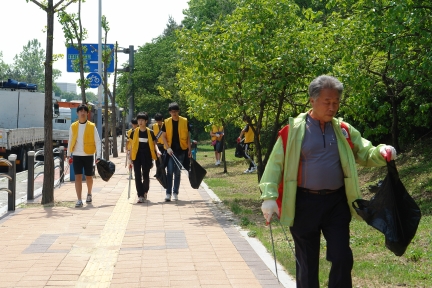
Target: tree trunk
(48, 180)
(394, 126)
(114, 129)
(114, 110)
(123, 132)
(106, 119)
(81, 60)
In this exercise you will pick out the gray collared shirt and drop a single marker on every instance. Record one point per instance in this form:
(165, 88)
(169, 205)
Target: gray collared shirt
(319, 160)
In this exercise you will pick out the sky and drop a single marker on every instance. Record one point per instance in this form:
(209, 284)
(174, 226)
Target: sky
(131, 22)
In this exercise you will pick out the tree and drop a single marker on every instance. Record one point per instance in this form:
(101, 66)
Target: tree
(74, 34)
(106, 59)
(4, 68)
(30, 64)
(255, 62)
(48, 182)
(205, 12)
(388, 62)
(154, 76)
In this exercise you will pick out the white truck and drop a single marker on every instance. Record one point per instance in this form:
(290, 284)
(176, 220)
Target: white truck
(22, 124)
(61, 125)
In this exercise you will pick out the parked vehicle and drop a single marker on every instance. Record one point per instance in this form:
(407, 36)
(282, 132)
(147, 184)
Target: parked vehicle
(22, 121)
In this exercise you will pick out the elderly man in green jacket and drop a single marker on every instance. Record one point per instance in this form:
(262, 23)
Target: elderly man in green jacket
(311, 180)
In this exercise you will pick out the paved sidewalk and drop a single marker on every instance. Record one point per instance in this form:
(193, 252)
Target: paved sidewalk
(116, 242)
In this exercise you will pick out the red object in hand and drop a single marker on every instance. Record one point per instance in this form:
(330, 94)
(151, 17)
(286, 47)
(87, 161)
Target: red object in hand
(70, 160)
(238, 140)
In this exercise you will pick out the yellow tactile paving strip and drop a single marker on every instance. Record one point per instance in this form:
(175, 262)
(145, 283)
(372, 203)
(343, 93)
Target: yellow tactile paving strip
(100, 267)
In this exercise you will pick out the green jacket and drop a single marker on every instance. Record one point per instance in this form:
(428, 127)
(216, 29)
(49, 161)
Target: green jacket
(285, 165)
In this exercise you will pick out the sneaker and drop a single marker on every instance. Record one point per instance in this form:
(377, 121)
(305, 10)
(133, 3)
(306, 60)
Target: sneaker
(246, 171)
(145, 197)
(140, 199)
(175, 197)
(78, 204)
(217, 163)
(253, 169)
(89, 198)
(168, 198)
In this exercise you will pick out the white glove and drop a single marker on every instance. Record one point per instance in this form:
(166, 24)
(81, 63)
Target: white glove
(269, 207)
(388, 152)
(170, 151)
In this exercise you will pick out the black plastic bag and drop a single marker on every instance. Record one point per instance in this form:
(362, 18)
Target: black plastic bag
(161, 173)
(186, 161)
(105, 169)
(391, 211)
(239, 152)
(196, 174)
(165, 158)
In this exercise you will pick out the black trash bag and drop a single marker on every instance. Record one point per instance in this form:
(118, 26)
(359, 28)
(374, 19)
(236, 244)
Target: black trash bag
(196, 173)
(391, 211)
(186, 161)
(105, 169)
(165, 158)
(160, 172)
(239, 152)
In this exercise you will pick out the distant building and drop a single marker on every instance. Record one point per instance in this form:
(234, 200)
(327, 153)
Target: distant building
(67, 87)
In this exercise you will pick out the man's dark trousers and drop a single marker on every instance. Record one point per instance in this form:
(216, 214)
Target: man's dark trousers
(331, 215)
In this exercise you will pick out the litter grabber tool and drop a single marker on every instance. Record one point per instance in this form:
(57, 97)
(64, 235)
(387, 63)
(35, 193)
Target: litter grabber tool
(130, 178)
(287, 240)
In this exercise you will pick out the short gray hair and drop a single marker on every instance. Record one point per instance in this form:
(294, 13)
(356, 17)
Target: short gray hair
(323, 82)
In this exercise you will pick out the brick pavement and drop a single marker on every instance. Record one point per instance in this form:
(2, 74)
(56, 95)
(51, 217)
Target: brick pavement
(116, 242)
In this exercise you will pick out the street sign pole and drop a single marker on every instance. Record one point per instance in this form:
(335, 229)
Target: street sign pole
(99, 113)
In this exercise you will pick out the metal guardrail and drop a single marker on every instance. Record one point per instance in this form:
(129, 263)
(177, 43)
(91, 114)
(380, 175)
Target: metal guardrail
(11, 163)
(31, 158)
(12, 175)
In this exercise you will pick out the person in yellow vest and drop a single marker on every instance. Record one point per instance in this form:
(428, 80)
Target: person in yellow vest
(144, 151)
(83, 143)
(176, 138)
(217, 134)
(157, 129)
(134, 124)
(249, 137)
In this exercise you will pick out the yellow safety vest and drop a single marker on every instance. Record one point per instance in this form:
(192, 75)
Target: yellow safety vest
(89, 143)
(129, 141)
(183, 132)
(216, 129)
(249, 136)
(135, 144)
(156, 131)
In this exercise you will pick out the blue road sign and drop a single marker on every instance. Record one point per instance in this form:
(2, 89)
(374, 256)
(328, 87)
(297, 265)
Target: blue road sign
(95, 79)
(90, 57)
